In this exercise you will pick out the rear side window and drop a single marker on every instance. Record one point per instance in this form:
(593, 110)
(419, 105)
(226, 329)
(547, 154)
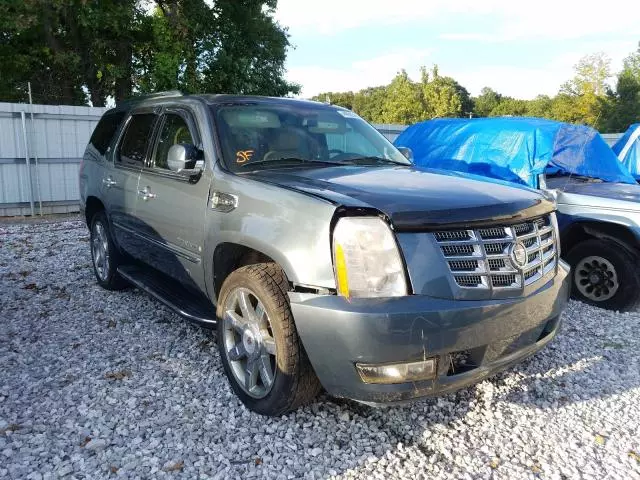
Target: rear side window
(105, 130)
(133, 147)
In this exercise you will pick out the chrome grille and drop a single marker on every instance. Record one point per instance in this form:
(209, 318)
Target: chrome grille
(482, 258)
(463, 265)
(457, 250)
(496, 248)
(452, 235)
(492, 233)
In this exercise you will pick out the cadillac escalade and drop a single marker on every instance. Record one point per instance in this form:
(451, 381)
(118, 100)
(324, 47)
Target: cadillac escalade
(319, 253)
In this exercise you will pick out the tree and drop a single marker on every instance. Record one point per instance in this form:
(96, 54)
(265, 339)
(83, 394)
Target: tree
(74, 49)
(369, 103)
(486, 102)
(402, 103)
(230, 46)
(443, 96)
(626, 102)
(540, 106)
(510, 107)
(591, 74)
(344, 99)
(585, 98)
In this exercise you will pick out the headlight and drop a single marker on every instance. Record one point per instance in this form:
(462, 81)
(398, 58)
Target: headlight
(366, 259)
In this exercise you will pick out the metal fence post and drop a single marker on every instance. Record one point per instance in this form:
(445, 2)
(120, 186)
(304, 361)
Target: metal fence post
(35, 149)
(26, 156)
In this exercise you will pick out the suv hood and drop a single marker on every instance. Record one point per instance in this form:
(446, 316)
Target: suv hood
(412, 198)
(604, 194)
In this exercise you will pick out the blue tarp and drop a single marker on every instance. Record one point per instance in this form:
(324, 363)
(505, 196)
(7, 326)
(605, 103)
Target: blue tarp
(628, 150)
(512, 149)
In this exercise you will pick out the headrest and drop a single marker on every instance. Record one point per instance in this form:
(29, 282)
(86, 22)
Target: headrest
(286, 139)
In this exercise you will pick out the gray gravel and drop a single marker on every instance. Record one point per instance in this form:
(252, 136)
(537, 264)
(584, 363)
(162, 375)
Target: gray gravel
(97, 384)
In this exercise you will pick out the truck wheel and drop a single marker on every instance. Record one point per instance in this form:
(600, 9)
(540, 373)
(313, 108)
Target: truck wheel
(604, 274)
(261, 353)
(105, 255)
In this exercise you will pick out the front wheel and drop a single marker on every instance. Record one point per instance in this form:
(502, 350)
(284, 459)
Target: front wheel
(604, 274)
(261, 353)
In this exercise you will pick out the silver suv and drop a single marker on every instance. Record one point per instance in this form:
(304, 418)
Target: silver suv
(317, 250)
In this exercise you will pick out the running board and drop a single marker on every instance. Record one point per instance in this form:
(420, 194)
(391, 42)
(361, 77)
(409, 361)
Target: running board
(184, 302)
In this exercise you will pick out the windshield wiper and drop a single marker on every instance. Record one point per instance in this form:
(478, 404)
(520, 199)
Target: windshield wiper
(290, 161)
(372, 160)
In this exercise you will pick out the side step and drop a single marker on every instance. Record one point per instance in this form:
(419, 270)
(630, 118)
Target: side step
(181, 300)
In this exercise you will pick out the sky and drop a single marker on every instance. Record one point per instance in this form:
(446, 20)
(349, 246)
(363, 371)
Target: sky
(520, 49)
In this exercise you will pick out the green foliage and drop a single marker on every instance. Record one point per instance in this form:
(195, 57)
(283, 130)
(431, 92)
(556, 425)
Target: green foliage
(443, 96)
(486, 102)
(402, 103)
(585, 99)
(625, 108)
(78, 50)
(344, 99)
(368, 103)
(592, 72)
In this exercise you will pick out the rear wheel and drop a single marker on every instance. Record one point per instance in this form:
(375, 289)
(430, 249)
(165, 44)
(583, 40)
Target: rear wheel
(604, 274)
(261, 353)
(105, 255)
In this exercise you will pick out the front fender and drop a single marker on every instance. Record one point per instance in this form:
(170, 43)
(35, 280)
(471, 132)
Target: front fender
(290, 227)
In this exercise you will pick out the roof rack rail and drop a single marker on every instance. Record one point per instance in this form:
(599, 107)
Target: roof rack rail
(138, 98)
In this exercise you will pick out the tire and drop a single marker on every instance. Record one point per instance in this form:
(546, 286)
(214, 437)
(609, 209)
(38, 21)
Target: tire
(255, 326)
(604, 274)
(105, 257)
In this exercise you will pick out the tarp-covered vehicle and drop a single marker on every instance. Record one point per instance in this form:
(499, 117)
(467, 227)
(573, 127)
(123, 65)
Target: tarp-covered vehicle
(628, 150)
(598, 200)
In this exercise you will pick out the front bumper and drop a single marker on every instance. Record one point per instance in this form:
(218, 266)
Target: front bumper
(489, 334)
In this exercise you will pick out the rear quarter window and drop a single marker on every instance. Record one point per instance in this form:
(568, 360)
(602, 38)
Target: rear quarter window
(105, 130)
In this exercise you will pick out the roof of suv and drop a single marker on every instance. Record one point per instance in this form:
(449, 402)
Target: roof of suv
(219, 99)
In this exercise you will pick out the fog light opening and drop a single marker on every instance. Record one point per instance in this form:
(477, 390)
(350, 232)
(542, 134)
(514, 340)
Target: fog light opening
(390, 373)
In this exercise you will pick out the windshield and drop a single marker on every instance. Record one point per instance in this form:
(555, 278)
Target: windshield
(261, 135)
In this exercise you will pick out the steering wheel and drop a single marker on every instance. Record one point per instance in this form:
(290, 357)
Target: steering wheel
(335, 150)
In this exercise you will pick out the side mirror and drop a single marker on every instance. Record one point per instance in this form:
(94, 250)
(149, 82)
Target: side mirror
(407, 152)
(183, 157)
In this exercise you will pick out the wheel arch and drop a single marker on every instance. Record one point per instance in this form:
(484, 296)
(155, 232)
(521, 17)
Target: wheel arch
(229, 256)
(93, 205)
(585, 230)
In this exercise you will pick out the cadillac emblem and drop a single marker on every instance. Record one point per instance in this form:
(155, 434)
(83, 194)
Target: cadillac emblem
(518, 255)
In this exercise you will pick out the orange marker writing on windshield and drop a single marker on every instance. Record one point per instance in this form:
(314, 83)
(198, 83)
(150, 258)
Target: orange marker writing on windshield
(243, 156)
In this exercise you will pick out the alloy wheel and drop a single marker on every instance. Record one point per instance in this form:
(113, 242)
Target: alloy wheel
(100, 250)
(248, 342)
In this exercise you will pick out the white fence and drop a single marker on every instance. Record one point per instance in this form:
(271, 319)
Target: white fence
(40, 150)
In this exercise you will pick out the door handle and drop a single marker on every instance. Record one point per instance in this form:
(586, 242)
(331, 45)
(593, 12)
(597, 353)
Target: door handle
(146, 194)
(109, 182)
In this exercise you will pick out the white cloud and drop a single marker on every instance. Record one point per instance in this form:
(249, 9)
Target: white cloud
(360, 74)
(329, 16)
(591, 27)
(545, 18)
(542, 79)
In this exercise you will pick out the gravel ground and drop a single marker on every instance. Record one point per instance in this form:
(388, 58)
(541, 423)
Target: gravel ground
(97, 384)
